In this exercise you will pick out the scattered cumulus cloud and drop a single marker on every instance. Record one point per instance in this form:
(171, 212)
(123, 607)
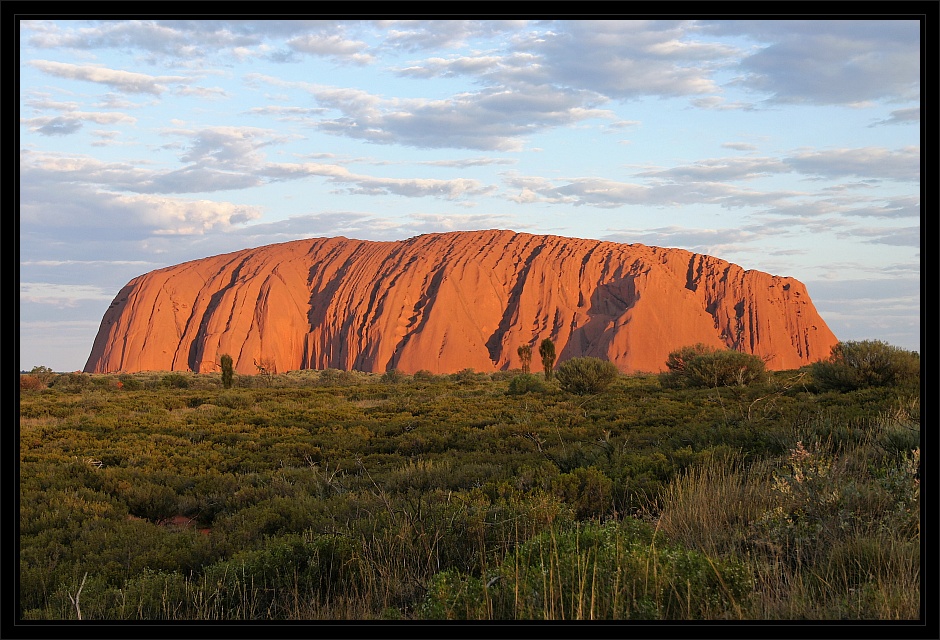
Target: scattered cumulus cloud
(903, 237)
(631, 58)
(901, 116)
(493, 119)
(468, 162)
(722, 169)
(708, 241)
(61, 295)
(202, 92)
(843, 62)
(378, 186)
(365, 226)
(867, 162)
(72, 122)
(124, 81)
(739, 146)
(718, 103)
(334, 46)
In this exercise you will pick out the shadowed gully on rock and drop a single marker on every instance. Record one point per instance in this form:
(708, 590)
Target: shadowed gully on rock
(450, 301)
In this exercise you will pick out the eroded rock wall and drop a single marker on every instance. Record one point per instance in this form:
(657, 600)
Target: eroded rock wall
(451, 301)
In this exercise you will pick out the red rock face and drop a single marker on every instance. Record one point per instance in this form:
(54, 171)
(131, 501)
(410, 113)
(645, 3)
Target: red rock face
(451, 301)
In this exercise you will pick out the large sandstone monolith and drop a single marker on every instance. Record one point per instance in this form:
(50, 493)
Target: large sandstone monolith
(451, 301)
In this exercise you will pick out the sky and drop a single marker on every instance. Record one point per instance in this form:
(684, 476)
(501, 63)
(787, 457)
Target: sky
(785, 146)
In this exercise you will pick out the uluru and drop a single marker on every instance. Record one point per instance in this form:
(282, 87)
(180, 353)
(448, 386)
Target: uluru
(444, 302)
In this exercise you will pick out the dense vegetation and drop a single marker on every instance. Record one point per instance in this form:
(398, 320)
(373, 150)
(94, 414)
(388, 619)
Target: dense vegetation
(866, 363)
(341, 495)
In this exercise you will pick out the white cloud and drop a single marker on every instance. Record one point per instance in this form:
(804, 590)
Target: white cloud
(493, 119)
(900, 116)
(331, 45)
(867, 162)
(371, 185)
(842, 62)
(739, 146)
(61, 295)
(72, 121)
(722, 169)
(126, 81)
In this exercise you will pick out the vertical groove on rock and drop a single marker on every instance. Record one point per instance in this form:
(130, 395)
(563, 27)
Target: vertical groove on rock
(495, 341)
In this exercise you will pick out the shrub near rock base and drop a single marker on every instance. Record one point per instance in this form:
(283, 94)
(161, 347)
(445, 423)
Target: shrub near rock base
(584, 376)
(525, 383)
(867, 363)
(701, 366)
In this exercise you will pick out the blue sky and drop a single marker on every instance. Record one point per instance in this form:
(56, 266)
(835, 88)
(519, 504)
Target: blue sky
(785, 146)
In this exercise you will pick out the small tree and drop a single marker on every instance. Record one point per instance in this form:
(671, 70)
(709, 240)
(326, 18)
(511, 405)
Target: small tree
(266, 370)
(525, 355)
(38, 378)
(583, 376)
(227, 370)
(547, 351)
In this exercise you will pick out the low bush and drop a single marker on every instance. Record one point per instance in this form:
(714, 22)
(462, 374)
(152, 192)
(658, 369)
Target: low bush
(584, 376)
(71, 382)
(702, 366)
(525, 383)
(30, 383)
(392, 376)
(175, 381)
(868, 363)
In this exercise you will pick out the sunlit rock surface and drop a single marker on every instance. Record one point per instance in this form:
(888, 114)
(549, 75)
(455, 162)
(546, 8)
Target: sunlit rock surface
(451, 301)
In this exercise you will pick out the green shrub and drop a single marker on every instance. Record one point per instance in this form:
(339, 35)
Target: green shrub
(583, 376)
(618, 570)
(392, 376)
(525, 383)
(676, 376)
(234, 400)
(175, 381)
(679, 359)
(336, 377)
(454, 595)
(153, 594)
(701, 366)
(726, 369)
(465, 375)
(868, 363)
(131, 383)
(262, 582)
(587, 490)
(71, 382)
